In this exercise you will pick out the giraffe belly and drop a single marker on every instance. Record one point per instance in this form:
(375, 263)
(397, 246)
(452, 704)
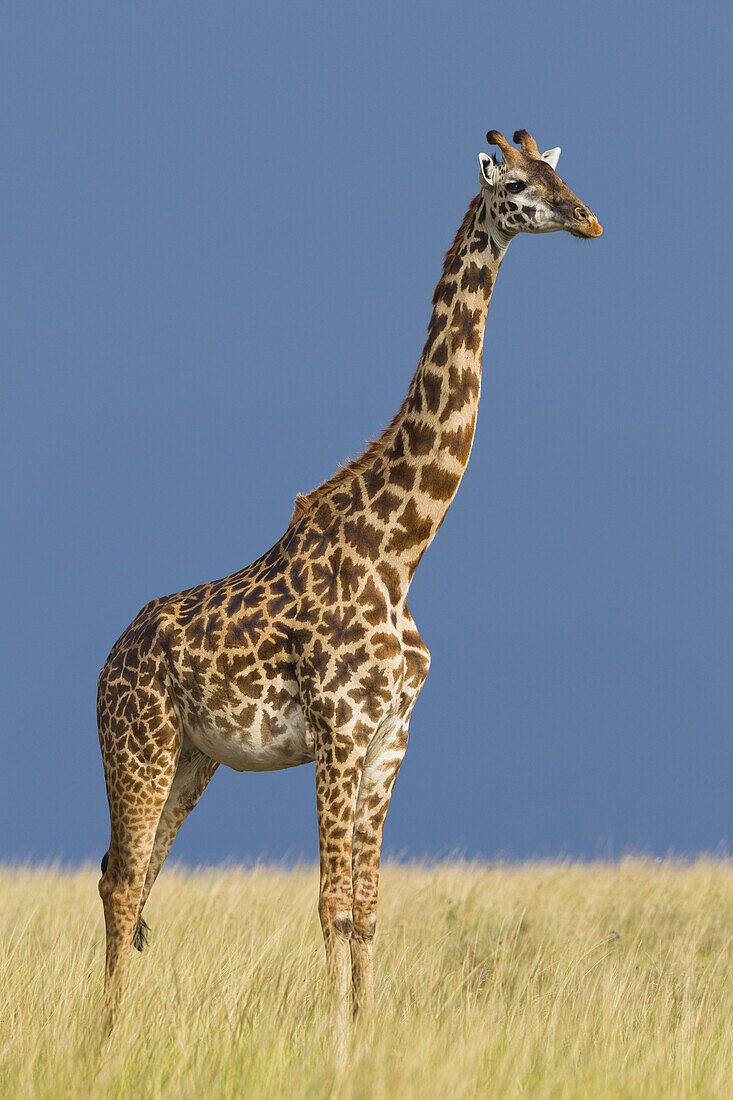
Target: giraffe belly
(269, 742)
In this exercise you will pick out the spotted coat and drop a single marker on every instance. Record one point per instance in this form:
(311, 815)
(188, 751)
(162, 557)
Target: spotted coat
(309, 653)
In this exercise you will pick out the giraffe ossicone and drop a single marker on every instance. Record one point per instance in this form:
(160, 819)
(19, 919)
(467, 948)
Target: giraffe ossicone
(310, 653)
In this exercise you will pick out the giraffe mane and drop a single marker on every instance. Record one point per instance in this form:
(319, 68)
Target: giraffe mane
(453, 250)
(305, 501)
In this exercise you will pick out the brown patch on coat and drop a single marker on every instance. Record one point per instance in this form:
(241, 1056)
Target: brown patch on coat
(411, 529)
(439, 483)
(459, 442)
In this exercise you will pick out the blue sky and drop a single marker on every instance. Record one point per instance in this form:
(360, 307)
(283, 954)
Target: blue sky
(222, 226)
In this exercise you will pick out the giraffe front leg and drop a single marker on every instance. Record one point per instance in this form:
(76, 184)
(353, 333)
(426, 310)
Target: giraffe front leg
(339, 762)
(378, 777)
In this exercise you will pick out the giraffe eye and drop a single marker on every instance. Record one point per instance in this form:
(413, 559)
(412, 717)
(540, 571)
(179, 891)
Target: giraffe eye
(515, 186)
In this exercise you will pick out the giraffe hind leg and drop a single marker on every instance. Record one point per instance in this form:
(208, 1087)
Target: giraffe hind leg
(140, 754)
(142, 931)
(121, 886)
(193, 772)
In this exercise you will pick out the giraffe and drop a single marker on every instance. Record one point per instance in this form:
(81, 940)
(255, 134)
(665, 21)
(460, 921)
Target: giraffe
(310, 653)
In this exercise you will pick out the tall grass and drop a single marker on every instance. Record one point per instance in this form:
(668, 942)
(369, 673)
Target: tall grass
(541, 980)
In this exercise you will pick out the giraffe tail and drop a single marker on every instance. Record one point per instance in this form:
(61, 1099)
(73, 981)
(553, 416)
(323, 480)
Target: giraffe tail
(142, 931)
(140, 939)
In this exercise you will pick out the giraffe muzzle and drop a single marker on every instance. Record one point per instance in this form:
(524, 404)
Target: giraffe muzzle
(585, 224)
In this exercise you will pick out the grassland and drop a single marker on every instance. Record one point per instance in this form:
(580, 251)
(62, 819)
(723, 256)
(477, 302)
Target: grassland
(541, 980)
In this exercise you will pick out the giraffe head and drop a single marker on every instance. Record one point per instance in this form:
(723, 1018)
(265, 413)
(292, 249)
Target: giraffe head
(525, 195)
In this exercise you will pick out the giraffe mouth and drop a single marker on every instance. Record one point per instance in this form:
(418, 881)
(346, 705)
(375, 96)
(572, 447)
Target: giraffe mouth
(587, 228)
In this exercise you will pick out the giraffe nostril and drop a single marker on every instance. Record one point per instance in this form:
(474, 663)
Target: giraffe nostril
(581, 212)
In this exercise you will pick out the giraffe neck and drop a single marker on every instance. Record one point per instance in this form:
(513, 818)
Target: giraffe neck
(427, 446)
(393, 499)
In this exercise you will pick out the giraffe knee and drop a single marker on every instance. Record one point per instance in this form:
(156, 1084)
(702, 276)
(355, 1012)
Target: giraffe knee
(365, 907)
(343, 927)
(117, 893)
(112, 884)
(104, 886)
(336, 916)
(365, 922)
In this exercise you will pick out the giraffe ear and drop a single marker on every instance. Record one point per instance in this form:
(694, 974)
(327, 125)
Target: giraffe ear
(551, 157)
(487, 170)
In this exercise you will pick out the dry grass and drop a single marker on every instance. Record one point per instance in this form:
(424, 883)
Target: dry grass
(542, 980)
